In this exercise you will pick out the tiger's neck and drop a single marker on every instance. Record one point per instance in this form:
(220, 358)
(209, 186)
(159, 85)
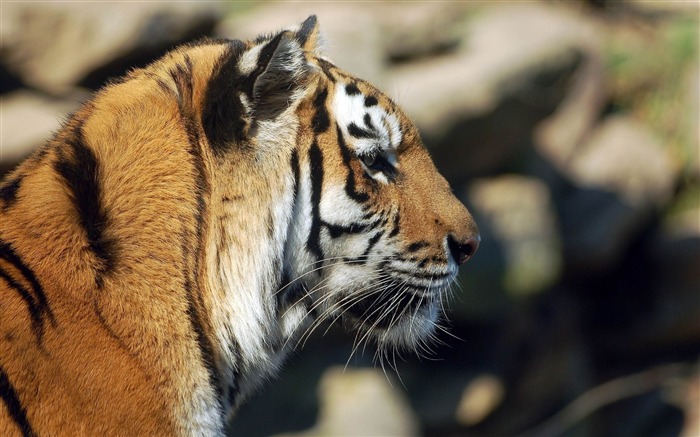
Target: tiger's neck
(252, 228)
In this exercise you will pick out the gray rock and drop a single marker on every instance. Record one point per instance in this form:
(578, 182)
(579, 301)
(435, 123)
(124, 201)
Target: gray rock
(477, 106)
(623, 157)
(480, 398)
(557, 137)
(361, 403)
(499, 44)
(622, 177)
(352, 31)
(692, 104)
(519, 212)
(675, 251)
(56, 45)
(424, 30)
(28, 120)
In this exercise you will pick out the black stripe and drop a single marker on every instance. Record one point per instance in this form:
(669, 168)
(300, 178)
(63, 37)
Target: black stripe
(370, 101)
(203, 341)
(313, 242)
(192, 266)
(418, 275)
(8, 192)
(224, 117)
(8, 253)
(336, 231)
(358, 132)
(327, 69)
(372, 242)
(14, 406)
(362, 259)
(294, 163)
(81, 173)
(34, 310)
(321, 121)
(350, 179)
(395, 229)
(368, 122)
(414, 247)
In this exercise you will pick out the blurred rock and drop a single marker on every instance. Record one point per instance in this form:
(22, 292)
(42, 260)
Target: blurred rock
(480, 398)
(519, 211)
(353, 32)
(688, 396)
(28, 120)
(361, 403)
(691, 125)
(426, 30)
(622, 177)
(56, 45)
(557, 137)
(675, 253)
(477, 107)
(623, 157)
(664, 7)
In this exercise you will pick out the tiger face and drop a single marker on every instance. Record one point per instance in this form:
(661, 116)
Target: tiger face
(380, 236)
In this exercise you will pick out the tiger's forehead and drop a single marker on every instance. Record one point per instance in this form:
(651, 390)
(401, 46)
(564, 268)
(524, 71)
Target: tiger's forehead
(366, 116)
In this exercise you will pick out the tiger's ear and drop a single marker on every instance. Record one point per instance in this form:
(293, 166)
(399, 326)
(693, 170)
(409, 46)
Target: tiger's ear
(283, 69)
(310, 37)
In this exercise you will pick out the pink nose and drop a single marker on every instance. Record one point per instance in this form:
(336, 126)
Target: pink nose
(463, 251)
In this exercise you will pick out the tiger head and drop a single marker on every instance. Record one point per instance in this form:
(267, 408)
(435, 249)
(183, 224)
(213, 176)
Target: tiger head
(376, 235)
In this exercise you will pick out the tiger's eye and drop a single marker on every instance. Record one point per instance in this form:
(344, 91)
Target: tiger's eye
(369, 160)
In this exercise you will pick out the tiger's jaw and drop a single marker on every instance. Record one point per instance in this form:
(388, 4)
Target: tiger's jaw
(394, 316)
(391, 302)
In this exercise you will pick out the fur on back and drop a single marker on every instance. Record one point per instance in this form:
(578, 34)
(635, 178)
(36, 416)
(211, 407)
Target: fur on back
(194, 220)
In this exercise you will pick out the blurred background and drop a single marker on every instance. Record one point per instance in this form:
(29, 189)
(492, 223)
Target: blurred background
(570, 129)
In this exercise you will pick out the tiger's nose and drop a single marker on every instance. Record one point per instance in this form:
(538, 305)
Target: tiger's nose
(465, 250)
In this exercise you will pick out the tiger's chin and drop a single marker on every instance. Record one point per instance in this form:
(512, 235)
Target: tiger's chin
(398, 319)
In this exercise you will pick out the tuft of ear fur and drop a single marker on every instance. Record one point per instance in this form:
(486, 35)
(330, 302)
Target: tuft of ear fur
(310, 37)
(284, 69)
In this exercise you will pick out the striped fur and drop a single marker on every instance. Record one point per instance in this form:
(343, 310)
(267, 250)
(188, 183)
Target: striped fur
(199, 218)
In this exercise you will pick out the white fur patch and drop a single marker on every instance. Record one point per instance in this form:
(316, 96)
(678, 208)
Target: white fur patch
(249, 59)
(350, 109)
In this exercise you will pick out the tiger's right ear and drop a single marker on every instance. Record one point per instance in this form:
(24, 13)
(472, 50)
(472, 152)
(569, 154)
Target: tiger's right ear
(310, 37)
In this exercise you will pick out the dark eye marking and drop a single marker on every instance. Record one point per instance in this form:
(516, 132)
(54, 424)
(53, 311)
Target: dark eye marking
(359, 133)
(376, 162)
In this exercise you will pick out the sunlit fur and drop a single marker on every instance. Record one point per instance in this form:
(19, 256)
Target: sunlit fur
(198, 219)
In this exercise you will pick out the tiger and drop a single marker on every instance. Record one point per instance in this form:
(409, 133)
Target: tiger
(168, 247)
